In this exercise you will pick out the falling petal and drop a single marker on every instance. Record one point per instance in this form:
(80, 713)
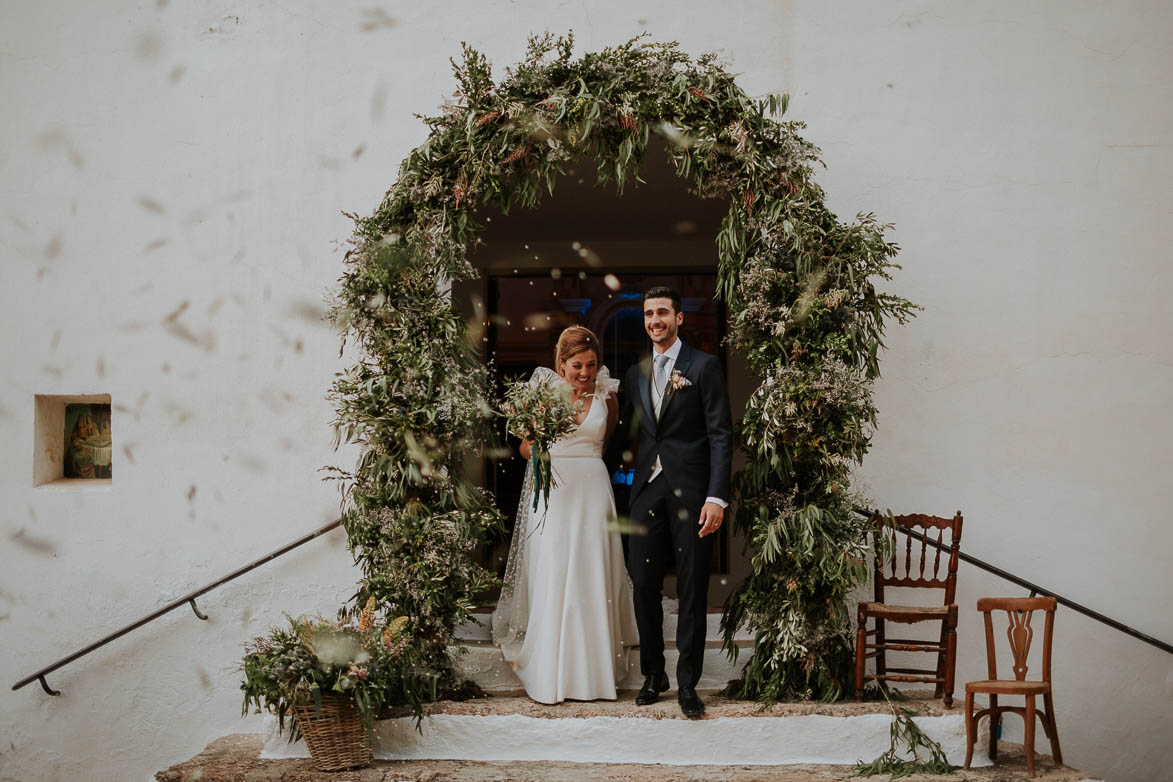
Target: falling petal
(379, 99)
(675, 136)
(53, 248)
(308, 310)
(151, 205)
(376, 19)
(253, 464)
(174, 314)
(148, 45)
(33, 543)
(626, 526)
(60, 139)
(537, 321)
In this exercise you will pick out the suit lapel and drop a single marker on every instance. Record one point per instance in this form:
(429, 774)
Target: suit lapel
(645, 392)
(683, 362)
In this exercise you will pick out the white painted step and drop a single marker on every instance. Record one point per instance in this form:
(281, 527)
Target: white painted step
(732, 733)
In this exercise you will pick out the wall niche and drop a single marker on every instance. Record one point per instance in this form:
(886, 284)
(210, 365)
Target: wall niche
(74, 440)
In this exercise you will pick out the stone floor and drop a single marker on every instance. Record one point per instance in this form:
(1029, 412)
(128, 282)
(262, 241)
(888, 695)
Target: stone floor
(235, 758)
(716, 706)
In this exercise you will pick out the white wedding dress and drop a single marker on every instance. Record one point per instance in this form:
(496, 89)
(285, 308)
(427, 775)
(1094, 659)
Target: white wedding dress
(566, 610)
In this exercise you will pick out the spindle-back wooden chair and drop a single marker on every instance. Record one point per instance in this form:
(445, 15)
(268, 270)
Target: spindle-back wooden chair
(915, 573)
(1019, 612)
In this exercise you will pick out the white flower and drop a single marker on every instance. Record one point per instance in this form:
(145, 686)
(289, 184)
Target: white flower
(677, 381)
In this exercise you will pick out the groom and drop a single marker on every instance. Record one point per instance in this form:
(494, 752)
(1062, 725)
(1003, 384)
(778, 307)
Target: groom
(677, 409)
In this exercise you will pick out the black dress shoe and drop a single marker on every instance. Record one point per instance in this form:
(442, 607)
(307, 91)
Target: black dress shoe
(690, 702)
(653, 686)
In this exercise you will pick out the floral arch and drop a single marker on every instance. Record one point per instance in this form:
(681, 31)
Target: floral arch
(799, 286)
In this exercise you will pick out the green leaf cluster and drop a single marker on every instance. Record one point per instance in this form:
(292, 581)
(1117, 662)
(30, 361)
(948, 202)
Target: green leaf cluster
(910, 751)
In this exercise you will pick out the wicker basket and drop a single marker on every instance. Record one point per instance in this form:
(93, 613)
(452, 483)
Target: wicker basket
(334, 734)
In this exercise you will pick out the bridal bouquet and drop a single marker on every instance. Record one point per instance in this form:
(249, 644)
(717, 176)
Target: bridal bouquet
(540, 411)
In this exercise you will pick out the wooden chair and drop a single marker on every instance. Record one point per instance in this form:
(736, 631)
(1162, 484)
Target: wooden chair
(887, 573)
(1019, 610)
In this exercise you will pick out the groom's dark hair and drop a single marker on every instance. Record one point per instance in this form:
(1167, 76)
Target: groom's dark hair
(664, 292)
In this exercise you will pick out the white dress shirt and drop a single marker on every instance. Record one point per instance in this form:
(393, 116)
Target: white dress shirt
(673, 352)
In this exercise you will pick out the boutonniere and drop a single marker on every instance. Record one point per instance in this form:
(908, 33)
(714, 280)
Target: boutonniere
(677, 381)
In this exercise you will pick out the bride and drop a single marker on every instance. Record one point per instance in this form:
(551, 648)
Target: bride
(566, 611)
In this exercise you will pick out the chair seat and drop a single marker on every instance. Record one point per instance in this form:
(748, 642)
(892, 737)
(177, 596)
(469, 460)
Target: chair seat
(889, 611)
(1008, 686)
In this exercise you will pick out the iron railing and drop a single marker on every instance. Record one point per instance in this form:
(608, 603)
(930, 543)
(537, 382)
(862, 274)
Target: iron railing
(189, 599)
(1035, 589)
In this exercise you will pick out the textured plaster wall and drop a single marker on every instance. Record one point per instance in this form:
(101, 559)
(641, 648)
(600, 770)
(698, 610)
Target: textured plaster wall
(171, 181)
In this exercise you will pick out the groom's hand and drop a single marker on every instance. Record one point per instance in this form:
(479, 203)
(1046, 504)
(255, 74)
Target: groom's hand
(711, 516)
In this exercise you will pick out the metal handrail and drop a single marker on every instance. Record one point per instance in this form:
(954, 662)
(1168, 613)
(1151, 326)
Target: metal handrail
(1035, 589)
(189, 599)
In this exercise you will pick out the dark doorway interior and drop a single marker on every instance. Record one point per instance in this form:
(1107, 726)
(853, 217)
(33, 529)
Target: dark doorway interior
(556, 261)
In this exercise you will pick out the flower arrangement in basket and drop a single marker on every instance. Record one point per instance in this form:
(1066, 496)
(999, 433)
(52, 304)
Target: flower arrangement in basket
(541, 412)
(334, 677)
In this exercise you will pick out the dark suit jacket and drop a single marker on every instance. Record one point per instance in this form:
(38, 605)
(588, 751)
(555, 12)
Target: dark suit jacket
(694, 436)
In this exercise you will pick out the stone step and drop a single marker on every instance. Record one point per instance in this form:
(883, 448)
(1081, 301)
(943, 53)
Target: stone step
(484, 664)
(477, 629)
(740, 733)
(238, 757)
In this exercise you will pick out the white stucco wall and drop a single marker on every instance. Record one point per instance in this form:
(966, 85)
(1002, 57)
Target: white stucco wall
(157, 156)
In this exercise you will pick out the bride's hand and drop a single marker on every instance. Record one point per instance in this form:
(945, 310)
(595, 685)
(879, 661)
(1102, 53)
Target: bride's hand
(526, 449)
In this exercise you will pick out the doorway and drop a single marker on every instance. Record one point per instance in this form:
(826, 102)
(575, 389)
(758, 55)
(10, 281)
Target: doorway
(584, 256)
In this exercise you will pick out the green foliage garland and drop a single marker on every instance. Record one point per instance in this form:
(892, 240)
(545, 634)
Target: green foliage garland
(798, 284)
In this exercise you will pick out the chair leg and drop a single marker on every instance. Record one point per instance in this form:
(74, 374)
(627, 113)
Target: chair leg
(995, 724)
(950, 665)
(970, 728)
(881, 659)
(940, 689)
(861, 648)
(1028, 734)
(1057, 753)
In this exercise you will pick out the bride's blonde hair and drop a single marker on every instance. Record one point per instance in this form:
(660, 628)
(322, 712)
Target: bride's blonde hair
(575, 340)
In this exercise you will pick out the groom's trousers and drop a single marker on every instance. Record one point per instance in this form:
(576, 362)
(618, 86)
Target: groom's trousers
(671, 537)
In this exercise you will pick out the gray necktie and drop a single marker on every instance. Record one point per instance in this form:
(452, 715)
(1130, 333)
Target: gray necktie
(660, 376)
